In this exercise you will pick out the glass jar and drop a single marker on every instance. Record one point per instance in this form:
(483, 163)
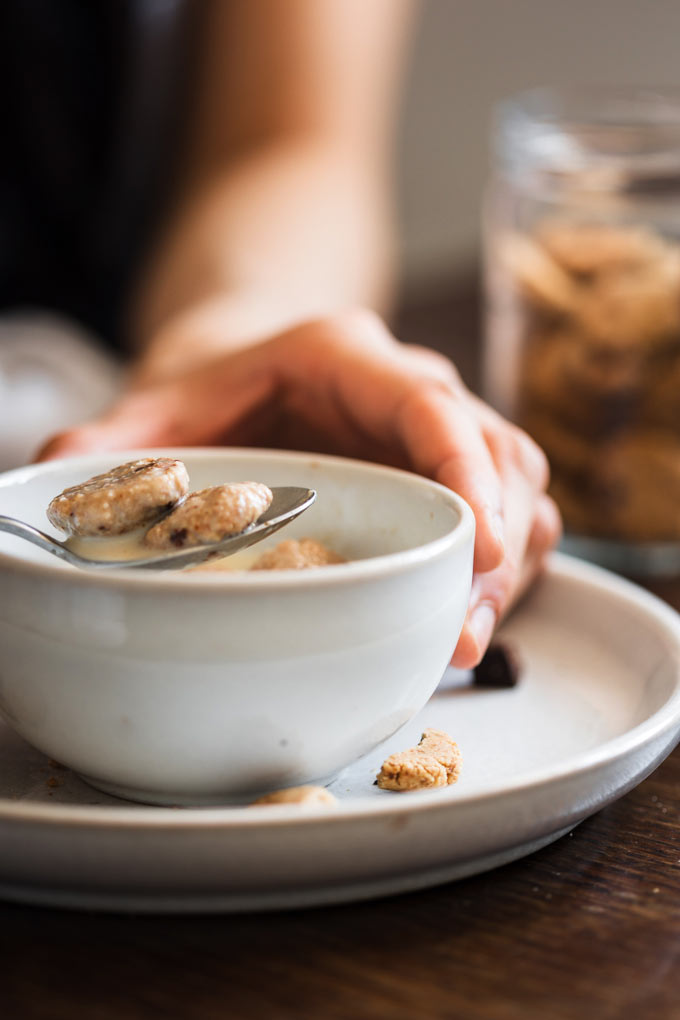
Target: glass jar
(582, 346)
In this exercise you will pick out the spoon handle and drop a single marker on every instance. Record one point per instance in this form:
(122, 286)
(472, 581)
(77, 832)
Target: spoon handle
(39, 538)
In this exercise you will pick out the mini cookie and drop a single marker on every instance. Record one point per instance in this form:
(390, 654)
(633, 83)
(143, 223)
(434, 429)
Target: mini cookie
(536, 275)
(566, 449)
(634, 309)
(587, 248)
(580, 511)
(591, 389)
(630, 491)
(292, 554)
(661, 401)
(209, 515)
(567, 356)
(308, 796)
(639, 485)
(121, 500)
(435, 761)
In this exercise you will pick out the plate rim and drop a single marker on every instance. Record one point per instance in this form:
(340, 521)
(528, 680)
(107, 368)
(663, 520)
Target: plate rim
(243, 817)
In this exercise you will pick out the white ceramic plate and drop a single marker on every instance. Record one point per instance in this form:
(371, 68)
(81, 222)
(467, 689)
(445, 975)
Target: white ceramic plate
(597, 709)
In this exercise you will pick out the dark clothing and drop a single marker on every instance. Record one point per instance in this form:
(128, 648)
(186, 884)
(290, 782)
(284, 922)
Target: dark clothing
(92, 127)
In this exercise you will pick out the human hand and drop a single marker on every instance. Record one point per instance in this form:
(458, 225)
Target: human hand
(344, 385)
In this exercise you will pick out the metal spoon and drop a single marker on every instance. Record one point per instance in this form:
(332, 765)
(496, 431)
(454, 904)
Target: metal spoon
(288, 502)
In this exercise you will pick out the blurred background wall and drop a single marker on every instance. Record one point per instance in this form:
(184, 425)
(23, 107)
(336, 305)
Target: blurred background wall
(468, 54)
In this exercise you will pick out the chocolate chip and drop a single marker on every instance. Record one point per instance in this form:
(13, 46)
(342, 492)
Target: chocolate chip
(500, 667)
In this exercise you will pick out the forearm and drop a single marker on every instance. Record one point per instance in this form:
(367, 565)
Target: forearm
(291, 230)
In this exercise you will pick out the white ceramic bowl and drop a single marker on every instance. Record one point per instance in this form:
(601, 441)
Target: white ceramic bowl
(172, 687)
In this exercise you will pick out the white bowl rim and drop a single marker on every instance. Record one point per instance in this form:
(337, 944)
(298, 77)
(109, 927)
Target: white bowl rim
(239, 581)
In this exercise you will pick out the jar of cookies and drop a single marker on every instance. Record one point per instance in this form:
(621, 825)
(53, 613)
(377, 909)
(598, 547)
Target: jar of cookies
(582, 347)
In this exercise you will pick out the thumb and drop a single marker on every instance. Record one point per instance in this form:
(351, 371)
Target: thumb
(198, 409)
(135, 420)
(88, 438)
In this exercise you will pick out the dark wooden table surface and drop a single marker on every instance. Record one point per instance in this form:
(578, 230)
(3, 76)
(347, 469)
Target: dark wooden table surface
(587, 928)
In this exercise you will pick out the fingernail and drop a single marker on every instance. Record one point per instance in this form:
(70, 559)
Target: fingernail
(482, 624)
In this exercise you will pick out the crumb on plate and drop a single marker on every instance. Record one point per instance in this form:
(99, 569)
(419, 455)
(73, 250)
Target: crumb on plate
(435, 761)
(309, 796)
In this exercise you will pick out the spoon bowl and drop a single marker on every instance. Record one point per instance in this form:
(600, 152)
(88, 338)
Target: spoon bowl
(288, 502)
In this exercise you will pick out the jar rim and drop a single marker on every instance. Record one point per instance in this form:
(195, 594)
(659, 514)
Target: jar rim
(589, 127)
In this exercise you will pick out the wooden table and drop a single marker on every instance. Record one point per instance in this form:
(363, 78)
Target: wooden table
(588, 928)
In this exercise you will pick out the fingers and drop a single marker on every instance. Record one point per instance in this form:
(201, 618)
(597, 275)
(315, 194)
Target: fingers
(68, 443)
(501, 473)
(445, 441)
(198, 408)
(406, 397)
(414, 398)
(494, 593)
(545, 534)
(533, 526)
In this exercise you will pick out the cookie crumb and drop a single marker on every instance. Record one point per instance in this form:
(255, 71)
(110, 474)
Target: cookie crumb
(309, 796)
(536, 275)
(294, 554)
(436, 761)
